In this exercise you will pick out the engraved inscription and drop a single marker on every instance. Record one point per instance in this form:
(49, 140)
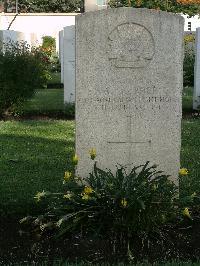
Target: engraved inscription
(127, 103)
(131, 46)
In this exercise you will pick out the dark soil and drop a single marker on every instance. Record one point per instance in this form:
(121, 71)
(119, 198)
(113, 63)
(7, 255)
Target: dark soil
(175, 241)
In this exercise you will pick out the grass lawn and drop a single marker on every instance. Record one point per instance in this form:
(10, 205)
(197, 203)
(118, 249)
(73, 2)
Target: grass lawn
(33, 158)
(187, 99)
(45, 102)
(51, 102)
(190, 155)
(34, 153)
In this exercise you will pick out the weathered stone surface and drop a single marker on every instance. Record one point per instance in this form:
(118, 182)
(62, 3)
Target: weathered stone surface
(196, 92)
(128, 88)
(69, 63)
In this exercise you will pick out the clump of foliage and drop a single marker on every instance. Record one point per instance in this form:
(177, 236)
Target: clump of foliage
(189, 60)
(120, 207)
(61, 6)
(48, 48)
(22, 71)
(49, 44)
(188, 7)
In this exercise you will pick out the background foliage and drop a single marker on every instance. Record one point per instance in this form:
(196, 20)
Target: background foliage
(59, 6)
(165, 5)
(22, 70)
(189, 60)
(190, 7)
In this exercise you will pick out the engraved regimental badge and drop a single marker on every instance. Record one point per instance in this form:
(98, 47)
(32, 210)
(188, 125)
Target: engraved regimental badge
(130, 46)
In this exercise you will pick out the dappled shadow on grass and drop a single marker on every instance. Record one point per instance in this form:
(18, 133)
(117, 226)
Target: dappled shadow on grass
(29, 164)
(190, 157)
(34, 156)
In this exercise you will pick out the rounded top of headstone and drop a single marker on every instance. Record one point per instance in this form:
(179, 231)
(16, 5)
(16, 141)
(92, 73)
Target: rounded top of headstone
(132, 10)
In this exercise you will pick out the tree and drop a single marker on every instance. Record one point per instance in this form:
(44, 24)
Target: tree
(190, 7)
(48, 6)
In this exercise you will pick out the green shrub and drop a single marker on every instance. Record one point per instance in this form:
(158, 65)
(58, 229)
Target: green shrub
(22, 71)
(49, 50)
(49, 44)
(188, 69)
(117, 207)
(189, 60)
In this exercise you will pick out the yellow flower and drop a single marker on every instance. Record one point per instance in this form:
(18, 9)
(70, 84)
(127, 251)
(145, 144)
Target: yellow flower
(67, 196)
(183, 171)
(75, 159)
(85, 197)
(186, 213)
(88, 190)
(68, 175)
(124, 202)
(40, 195)
(92, 153)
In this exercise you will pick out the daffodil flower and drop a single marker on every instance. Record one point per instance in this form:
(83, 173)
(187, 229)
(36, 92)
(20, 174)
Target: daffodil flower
(92, 153)
(186, 213)
(88, 190)
(124, 202)
(183, 171)
(67, 175)
(75, 159)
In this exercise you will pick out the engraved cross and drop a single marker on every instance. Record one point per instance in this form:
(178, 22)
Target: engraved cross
(129, 139)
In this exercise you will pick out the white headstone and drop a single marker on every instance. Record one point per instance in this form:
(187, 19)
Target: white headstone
(69, 63)
(7, 36)
(61, 56)
(196, 92)
(128, 88)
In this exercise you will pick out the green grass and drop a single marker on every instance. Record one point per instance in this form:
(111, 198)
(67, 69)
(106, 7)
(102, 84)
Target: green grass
(49, 101)
(34, 153)
(33, 158)
(190, 155)
(187, 99)
(45, 101)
